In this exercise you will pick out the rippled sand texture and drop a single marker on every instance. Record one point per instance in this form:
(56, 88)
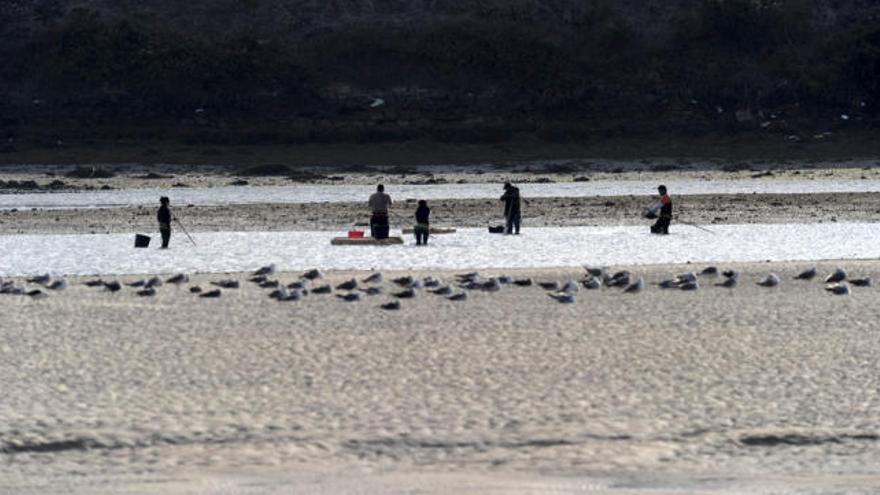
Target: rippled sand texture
(100, 388)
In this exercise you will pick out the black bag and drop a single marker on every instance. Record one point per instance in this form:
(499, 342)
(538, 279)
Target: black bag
(141, 241)
(498, 229)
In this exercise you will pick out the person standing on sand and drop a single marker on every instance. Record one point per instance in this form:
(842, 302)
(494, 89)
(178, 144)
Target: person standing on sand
(164, 217)
(511, 208)
(423, 227)
(663, 206)
(379, 203)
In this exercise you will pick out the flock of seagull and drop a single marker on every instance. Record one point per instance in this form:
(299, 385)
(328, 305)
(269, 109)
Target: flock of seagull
(838, 283)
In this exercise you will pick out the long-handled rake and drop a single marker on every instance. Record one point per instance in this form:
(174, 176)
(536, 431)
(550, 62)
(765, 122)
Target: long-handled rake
(185, 232)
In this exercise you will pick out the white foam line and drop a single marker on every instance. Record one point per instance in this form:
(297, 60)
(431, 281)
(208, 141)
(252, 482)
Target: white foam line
(354, 193)
(219, 252)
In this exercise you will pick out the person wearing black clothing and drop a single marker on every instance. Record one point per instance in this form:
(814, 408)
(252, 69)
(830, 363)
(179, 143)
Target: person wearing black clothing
(664, 208)
(422, 228)
(164, 217)
(511, 208)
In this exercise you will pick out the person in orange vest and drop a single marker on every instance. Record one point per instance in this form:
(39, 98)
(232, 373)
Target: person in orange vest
(662, 211)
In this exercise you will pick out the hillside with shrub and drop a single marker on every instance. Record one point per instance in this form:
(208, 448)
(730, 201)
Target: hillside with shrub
(306, 71)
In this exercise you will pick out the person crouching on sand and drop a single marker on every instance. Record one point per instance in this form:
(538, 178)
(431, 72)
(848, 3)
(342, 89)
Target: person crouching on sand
(663, 207)
(164, 217)
(422, 228)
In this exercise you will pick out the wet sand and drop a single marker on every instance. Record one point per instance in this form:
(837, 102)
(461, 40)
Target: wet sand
(508, 390)
(537, 212)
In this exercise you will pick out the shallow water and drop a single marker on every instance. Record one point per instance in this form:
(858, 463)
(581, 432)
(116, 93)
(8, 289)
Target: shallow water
(218, 252)
(352, 193)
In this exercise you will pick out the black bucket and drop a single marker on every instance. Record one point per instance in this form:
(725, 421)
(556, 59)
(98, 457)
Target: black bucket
(141, 241)
(498, 229)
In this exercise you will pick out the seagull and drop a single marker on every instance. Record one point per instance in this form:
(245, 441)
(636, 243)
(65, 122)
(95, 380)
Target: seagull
(592, 283)
(180, 278)
(153, 282)
(37, 294)
(266, 270)
(858, 282)
(636, 286)
(839, 275)
(563, 297)
(403, 281)
(313, 274)
(374, 291)
(324, 289)
(807, 274)
(523, 282)
(282, 294)
(59, 284)
(405, 294)
(442, 291)
(596, 272)
(12, 290)
(771, 280)
(351, 296)
(195, 289)
(294, 295)
(349, 285)
(228, 283)
(710, 270)
(279, 293)
(373, 278)
(491, 285)
(838, 288)
(112, 285)
(299, 284)
(685, 277)
(40, 279)
(471, 285)
(689, 285)
(554, 285)
(392, 306)
(211, 293)
(619, 281)
(461, 296)
(612, 280)
(149, 291)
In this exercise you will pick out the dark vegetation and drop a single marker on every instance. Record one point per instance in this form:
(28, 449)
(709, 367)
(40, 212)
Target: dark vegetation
(295, 71)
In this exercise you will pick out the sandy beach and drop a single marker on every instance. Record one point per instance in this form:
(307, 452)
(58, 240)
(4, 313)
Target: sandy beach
(106, 390)
(718, 390)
